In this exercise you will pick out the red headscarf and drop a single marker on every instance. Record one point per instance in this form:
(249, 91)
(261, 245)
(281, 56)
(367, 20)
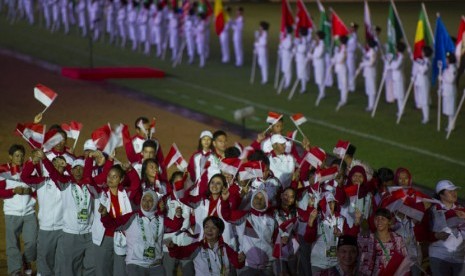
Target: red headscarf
(398, 172)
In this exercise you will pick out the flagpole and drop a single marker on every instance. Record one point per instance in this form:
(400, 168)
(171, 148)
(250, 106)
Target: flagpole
(293, 140)
(298, 128)
(27, 140)
(409, 49)
(404, 103)
(449, 131)
(427, 21)
(378, 96)
(439, 94)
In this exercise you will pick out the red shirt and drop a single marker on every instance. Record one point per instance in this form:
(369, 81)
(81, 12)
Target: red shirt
(115, 211)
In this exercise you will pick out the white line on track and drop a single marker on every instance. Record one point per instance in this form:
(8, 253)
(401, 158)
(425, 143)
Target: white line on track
(325, 124)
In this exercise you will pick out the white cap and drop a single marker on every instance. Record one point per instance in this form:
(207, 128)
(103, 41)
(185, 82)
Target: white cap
(278, 138)
(78, 162)
(90, 145)
(330, 197)
(445, 185)
(206, 133)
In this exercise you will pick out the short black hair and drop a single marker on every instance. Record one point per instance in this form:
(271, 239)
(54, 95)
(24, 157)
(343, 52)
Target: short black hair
(150, 144)
(265, 25)
(59, 130)
(174, 175)
(259, 155)
(343, 39)
(216, 221)
(384, 175)
(15, 147)
(144, 120)
(219, 133)
(303, 31)
(351, 150)
(119, 169)
(383, 212)
(401, 46)
(232, 152)
(320, 35)
(428, 51)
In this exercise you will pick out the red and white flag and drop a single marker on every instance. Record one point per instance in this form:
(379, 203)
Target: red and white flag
(315, 157)
(298, 119)
(340, 148)
(106, 139)
(51, 139)
(230, 165)
(182, 186)
(400, 201)
(250, 170)
(72, 129)
(174, 156)
(460, 44)
(152, 127)
(32, 133)
(44, 94)
(273, 117)
(292, 134)
(323, 175)
(246, 152)
(249, 230)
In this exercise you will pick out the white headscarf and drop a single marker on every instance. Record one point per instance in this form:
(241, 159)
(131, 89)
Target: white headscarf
(151, 212)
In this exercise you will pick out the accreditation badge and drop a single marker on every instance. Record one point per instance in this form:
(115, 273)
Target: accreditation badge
(149, 253)
(83, 216)
(331, 252)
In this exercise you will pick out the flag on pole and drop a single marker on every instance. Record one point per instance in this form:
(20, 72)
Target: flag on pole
(443, 44)
(324, 175)
(340, 148)
(220, 19)
(369, 30)
(250, 170)
(287, 19)
(72, 129)
(394, 30)
(292, 134)
(182, 186)
(338, 27)
(230, 165)
(174, 156)
(51, 139)
(460, 44)
(298, 119)
(303, 19)
(44, 94)
(106, 139)
(273, 117)
(325, 25)
(422, 35)
(315, 157)
(32, 133)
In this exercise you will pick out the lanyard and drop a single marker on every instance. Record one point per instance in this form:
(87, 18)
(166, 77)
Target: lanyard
(385, 251)
(82, 202)
(221, 261)
(142, 229)
(323, 232)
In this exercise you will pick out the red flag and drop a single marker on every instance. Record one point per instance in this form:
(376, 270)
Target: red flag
(340, 148)
(298, 119)
(460, 44)
(273, 117)
(181, 186)
(398, 265)
(51, 139)
(304, 20)
(44, 94)
(72, 130)
(106, 139)
(246, 152)
(315, 157)
(230, 165)
(323, 175)
(287, 19)
(351, 190)
(250, 170)
(32, 133)
(174, 156)
(338, 27)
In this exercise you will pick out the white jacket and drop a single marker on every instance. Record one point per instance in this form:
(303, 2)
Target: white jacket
(98, 230)
(71, 225)
(18, 205)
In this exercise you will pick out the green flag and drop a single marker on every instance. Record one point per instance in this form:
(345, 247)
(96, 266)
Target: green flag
(394, 31)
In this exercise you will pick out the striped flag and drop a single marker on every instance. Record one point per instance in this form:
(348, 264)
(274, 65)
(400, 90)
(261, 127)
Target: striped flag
(220, 19)
(44, 94)
(32, 133)
(174, 156)
(51, 139)
(273, 117)
(422, 36)
(72, 129)
(298, 119)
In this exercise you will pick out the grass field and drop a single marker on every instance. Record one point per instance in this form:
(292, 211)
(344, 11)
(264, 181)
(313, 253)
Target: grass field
(219, 89)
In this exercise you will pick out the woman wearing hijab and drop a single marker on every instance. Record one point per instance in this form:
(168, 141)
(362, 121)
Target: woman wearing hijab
(144, 230)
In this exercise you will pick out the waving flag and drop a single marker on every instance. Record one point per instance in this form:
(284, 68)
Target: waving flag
(338, 27)
(325, 24)
(51, 139)
(230, 165)
(460, 45)
(72, 129)
(182, 186)
(323, 175)
(340, 148)
(273, 117)
(369, 30)
(250, 170)
(304, 21)
(315, 157)
(106, 139)
(443, 44)
(174, 156)
(44, 94)
(298, 119)
(394, 30)
(220, 19)
(287, 19)
(422, 36)
(32, 133)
